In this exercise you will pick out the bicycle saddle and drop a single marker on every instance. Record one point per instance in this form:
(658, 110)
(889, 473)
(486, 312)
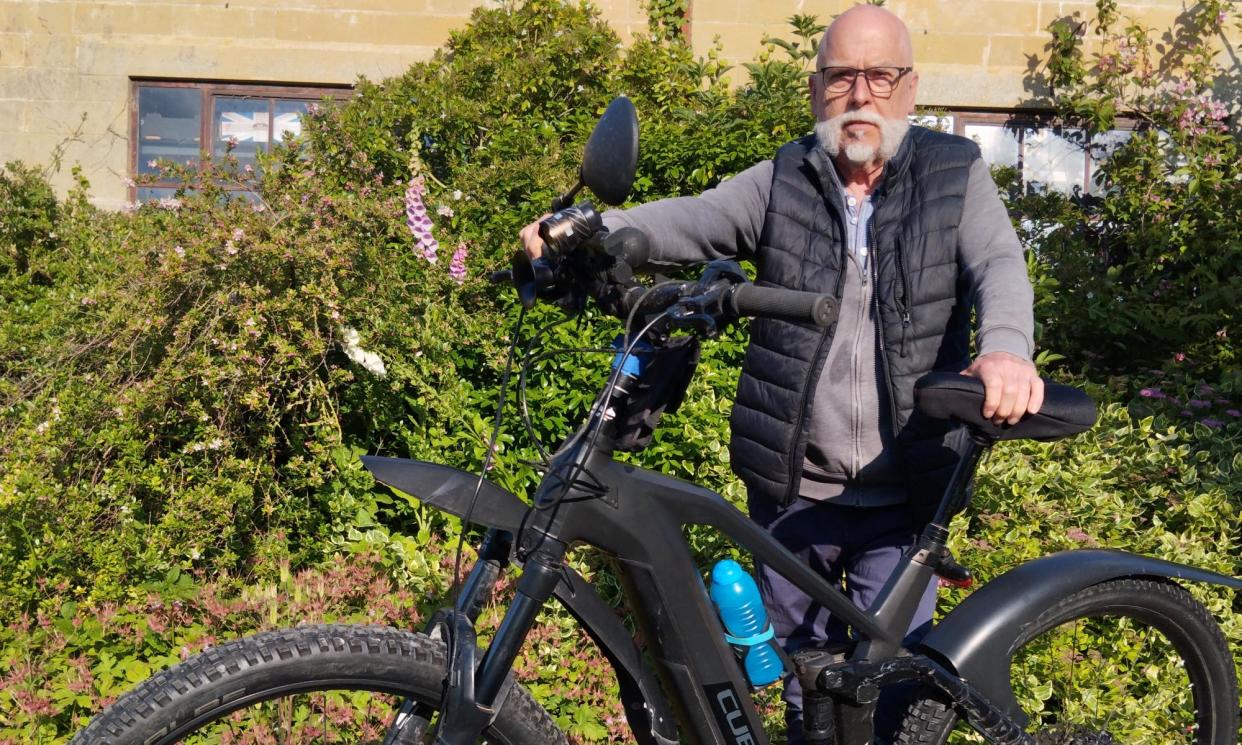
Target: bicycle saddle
(1066, 410)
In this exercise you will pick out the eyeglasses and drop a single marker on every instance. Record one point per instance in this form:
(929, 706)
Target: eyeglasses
(880, 80)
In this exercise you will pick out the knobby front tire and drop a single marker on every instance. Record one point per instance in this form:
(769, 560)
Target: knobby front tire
(1137, 660)
(311, 684)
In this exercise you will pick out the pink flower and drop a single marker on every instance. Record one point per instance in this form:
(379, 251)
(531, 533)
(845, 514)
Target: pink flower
(418, 222)
(444, 211)
(1179, 357)
(457, 267)
(1152, 393)
(1076, 534)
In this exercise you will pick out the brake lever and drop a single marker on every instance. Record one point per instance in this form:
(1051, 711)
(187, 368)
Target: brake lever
(685, 314)
(704, 311)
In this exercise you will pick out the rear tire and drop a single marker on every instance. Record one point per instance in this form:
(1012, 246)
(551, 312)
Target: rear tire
(339, 684)
(1138, 660)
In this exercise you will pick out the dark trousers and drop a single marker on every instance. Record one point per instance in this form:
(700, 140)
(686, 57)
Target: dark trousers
(856, 546)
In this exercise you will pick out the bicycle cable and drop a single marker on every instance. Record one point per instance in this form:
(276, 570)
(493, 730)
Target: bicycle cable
(596, 424)
(455, 589)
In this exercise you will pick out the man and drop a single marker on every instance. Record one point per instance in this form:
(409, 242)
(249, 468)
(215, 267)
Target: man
(905, 226)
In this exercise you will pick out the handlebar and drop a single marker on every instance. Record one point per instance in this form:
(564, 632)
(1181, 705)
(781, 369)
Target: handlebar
(784, 305)
(598, 264)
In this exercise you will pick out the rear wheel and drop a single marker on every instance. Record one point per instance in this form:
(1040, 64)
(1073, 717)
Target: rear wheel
(311, 684)
(1125, 662)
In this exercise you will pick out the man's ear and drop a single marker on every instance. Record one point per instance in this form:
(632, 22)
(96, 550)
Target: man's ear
(914, 90)
(817, 102)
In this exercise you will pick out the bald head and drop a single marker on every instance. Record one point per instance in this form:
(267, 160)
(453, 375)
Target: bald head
(866, 36)
(863, 124)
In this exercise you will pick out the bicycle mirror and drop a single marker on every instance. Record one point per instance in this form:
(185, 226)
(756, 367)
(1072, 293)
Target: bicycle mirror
(611, 154)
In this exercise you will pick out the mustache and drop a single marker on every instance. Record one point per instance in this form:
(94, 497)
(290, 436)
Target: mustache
(849, 117)
(833, 140)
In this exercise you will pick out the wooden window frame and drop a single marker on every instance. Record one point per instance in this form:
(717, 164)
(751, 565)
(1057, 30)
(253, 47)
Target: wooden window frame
(209, 91)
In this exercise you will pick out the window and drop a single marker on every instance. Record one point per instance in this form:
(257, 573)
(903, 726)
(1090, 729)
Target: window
(1048, 156)
(182, 122)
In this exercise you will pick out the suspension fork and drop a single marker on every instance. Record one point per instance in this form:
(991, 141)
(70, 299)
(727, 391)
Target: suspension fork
(459, 621)
(474, 694)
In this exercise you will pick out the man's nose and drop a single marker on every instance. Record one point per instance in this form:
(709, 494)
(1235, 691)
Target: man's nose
(860, 93)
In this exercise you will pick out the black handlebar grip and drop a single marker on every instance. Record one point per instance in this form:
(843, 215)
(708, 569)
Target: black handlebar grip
(784, 305)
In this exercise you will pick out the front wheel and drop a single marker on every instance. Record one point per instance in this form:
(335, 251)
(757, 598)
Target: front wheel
(1124, 662)
(311, 684)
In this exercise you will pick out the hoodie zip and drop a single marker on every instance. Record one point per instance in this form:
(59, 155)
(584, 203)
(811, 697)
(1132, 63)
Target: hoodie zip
(905, 294)
(879, 325)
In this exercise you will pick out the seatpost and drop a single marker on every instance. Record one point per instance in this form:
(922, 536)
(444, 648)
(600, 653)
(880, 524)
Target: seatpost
(954, 498)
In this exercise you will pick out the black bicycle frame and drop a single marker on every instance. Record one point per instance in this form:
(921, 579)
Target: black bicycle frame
(637, 517)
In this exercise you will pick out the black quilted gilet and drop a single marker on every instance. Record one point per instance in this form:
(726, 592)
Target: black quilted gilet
(924, 307)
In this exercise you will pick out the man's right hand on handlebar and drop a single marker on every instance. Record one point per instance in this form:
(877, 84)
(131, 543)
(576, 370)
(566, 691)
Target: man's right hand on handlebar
(532, 244)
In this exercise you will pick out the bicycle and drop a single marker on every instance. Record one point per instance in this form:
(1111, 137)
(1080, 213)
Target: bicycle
(398, 687)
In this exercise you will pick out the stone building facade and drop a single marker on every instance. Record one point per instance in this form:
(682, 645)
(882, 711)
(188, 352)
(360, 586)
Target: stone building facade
(106, 83)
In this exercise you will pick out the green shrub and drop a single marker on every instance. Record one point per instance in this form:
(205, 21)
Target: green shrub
(29, 218)
(1148, 268)
(185, 388)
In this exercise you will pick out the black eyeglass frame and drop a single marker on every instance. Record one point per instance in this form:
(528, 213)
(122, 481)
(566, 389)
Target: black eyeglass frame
(901, 73)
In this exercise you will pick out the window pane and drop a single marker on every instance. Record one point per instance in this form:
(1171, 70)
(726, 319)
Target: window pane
(1104, 144)
(169, 125)
(1102, 147)
(147, 193)
(1052, 160)
(288, 119)
(245, 122)
(940, 123)
(998, 144)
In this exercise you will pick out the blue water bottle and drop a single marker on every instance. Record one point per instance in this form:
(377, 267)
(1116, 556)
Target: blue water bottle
(746, 622)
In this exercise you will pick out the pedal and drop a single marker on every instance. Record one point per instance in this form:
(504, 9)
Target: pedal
(953, 574)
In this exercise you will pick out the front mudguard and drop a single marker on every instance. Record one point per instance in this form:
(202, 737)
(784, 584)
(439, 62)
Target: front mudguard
(977, 637)
(451, 490)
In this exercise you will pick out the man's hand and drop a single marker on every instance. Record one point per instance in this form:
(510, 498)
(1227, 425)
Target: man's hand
(531, 242)
(1011, 388)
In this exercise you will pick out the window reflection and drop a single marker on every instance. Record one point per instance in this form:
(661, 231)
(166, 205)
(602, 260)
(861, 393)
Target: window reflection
(169, 126)
(1053, 159)
(243, 122)
(998, 143)
(938, 122)
(288, 119)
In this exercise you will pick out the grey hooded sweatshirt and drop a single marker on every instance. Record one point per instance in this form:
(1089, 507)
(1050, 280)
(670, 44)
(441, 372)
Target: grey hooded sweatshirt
(849, 456)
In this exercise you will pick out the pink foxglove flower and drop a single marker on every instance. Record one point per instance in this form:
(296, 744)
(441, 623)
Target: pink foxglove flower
(457, 268)
(418, 221)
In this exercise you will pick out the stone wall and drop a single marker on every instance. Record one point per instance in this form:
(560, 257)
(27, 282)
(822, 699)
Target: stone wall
(66, 65)
(969, 54)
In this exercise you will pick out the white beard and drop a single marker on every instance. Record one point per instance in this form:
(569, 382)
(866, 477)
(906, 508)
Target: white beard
(831, 132)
